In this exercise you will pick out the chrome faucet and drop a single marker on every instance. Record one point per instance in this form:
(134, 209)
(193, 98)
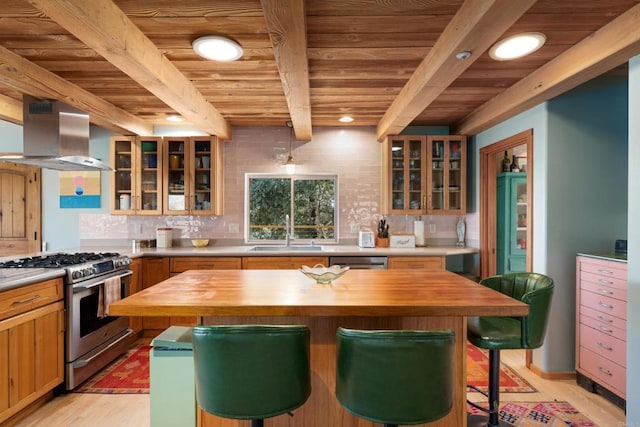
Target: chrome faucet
(288, 236)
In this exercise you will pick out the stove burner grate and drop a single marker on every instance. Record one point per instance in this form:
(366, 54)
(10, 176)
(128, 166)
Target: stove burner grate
(60, 260)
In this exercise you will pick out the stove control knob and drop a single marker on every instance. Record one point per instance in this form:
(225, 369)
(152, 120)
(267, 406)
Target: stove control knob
(87, 272)
(76, 274)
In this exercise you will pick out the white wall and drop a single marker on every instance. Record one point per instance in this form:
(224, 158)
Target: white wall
(633, 264)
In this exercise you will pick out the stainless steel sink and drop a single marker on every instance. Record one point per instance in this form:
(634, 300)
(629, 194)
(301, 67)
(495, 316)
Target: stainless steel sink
(292, 248)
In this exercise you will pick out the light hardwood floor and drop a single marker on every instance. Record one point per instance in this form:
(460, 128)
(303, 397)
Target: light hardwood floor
(112, 410)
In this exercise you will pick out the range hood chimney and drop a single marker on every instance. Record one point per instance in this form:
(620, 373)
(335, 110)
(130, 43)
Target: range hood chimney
(55, 136)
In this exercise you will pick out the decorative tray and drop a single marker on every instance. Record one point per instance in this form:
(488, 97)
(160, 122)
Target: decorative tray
(323, 275)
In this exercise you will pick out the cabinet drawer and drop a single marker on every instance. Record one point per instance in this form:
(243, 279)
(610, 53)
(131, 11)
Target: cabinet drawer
(604, 304)
(605, 290)
(417, 263)
(606, 372)
(281, 263)
(616, 270)
(593, 279)
(606, 329)
(20, 300)
(603, 319)
(604, 345)
(180, 264)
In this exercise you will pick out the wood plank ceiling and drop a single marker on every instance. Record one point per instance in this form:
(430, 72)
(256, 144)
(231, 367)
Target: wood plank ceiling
(387, 63)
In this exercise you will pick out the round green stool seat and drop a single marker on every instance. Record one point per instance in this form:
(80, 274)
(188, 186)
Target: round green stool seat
(251, 371)
(395, 377)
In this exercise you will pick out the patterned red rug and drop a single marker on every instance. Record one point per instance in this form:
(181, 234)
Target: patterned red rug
(478, 373)
(548, 414)
(130, 374)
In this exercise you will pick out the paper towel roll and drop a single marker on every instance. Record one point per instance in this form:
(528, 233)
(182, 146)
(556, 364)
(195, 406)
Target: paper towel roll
(418, 231)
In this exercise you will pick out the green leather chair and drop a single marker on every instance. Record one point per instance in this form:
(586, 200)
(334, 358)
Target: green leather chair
(502, 333)
(395, 377)
(251, 371)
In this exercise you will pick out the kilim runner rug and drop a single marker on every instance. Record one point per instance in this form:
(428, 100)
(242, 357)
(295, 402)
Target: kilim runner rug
(538, 414)
(130, 374)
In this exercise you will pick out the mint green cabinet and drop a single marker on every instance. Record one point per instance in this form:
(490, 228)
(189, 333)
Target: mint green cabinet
(511, 241)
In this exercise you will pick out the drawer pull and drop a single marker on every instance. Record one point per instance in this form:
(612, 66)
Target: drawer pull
(605, 371)
(605, 271)
(27, 300)
(604, 304)
(605, 291)
(605, 282)
(604, 346)
(603, 329)
(605, 319)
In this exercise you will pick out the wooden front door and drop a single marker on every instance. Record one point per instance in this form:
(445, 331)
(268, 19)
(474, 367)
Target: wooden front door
(20, 209)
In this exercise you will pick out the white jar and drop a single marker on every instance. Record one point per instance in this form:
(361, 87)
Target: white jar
(164, 237)
(125, 202)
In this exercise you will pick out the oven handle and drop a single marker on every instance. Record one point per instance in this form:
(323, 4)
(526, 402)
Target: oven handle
(81, 287)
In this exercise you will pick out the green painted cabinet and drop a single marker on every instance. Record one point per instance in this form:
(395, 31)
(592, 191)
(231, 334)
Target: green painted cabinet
(511, 242)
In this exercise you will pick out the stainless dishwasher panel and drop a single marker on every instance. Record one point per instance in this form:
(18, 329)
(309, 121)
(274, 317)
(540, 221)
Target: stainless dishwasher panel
(360, 262)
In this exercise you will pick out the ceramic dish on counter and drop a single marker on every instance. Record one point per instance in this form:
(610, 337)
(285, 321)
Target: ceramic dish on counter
(323, 275)
(199, 243)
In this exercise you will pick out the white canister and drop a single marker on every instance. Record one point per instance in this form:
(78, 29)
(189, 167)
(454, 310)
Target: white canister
(125, 202)
(164, 237)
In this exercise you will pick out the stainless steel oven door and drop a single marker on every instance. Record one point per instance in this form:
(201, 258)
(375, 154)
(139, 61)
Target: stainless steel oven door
(85, 329)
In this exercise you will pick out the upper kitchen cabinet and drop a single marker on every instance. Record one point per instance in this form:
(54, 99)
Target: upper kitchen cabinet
(447, 177)
(192, 176)
(136, 184)
(405, 177)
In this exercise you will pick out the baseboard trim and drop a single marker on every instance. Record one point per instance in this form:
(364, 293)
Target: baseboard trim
(552, 375)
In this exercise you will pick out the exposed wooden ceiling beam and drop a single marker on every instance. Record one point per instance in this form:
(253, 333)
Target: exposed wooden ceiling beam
(288, 33)
(27, 77)
(10, 110)
(102, 26)
(475, 26)
(607, 48)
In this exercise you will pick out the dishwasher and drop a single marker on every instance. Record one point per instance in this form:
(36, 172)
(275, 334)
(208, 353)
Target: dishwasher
(360, 262)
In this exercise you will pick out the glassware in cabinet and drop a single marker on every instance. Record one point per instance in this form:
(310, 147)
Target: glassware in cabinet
(446, 186)
(406, 174)
(176, 167)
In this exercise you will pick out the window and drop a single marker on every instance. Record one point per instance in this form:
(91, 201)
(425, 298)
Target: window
(309, 200)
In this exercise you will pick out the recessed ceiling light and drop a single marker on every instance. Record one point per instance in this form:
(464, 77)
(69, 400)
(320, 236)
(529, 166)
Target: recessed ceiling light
(345, 119)
(517, 46)
(217, 48)
(174, 118)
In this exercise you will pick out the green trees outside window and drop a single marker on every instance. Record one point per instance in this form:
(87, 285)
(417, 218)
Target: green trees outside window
(309, 200)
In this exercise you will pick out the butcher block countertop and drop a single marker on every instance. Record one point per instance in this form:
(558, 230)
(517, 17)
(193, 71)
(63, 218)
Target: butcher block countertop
(290, 293)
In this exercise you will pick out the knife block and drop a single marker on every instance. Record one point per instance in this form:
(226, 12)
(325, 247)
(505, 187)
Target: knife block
(382, 242)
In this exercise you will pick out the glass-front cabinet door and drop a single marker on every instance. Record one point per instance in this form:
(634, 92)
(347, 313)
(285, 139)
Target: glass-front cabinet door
(446, 183)
(407, 174)
(193, 176)
(136, 183)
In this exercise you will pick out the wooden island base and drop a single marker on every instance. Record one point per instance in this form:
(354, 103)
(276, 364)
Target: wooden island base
(322, 409)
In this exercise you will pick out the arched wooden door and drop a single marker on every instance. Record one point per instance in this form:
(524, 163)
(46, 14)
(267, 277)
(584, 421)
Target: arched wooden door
(20, 209)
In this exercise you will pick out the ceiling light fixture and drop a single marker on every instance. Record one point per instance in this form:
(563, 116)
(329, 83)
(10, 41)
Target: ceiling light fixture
(517, 46)
(217, 48)
(174, 118)
(345, 119)
(465, 54)
(290, 165)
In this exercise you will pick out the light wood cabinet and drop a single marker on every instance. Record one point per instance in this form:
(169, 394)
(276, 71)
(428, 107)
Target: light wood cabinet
(281, 262)
(154, 271)
(31, 345)
(136, 184)
(601, 324)
(432, 263)
(193, 176)
(447, 176)
(424, 174)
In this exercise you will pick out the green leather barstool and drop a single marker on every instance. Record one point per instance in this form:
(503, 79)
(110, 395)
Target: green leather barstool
(502, 333)
(251, 372)
(395, 377)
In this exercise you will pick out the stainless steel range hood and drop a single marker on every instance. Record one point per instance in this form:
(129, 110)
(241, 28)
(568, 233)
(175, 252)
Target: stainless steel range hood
(55, 136)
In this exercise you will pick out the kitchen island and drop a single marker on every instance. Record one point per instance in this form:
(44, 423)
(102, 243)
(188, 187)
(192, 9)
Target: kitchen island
(364, 299)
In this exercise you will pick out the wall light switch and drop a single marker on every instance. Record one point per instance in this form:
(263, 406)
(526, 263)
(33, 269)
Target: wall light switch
(432, 227)
(137, 228)
(234, 227)
(355, 228)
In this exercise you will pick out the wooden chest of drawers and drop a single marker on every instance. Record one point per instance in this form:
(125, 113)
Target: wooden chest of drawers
(601, 322)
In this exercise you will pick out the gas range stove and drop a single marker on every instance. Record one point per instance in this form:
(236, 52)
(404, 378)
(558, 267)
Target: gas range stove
(78, 266)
